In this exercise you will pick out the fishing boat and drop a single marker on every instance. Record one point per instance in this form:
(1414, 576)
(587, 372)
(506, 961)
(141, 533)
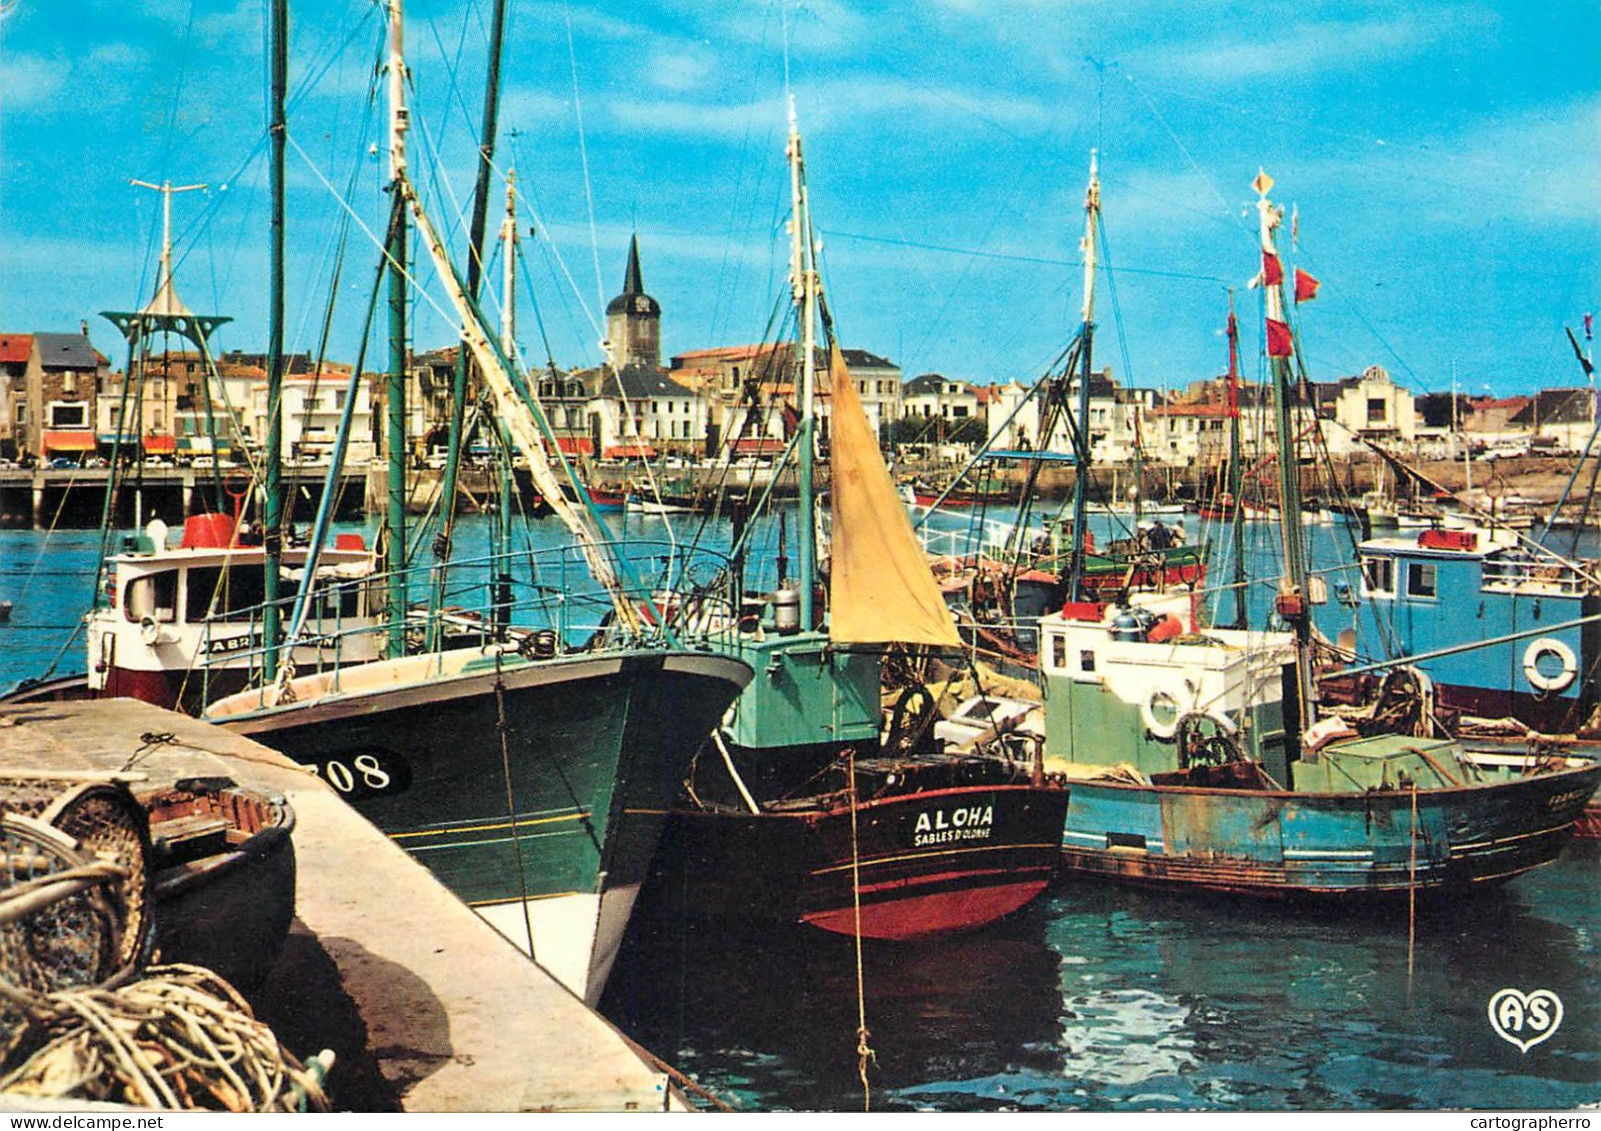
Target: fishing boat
(1524, 636)
(799, 809)
(1036, 572)
(524, 757)
(182, 625)
(530, 780)
(1198, 759)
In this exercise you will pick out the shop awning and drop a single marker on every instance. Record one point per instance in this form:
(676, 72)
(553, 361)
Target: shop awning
(69, 441)
(160, 445)
(575, 445)
(631, 451)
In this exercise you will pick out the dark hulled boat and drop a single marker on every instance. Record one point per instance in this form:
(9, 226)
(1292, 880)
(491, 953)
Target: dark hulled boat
(796, 811)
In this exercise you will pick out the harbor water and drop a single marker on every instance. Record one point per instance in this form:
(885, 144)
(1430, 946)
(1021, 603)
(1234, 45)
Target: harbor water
(1094, 997)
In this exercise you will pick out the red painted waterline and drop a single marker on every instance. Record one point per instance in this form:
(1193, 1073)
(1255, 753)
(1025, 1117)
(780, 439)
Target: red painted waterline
(920, 916)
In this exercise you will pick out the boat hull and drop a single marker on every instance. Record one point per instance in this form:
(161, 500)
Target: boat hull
(924, 863)
(534, 791)
(1357, 845)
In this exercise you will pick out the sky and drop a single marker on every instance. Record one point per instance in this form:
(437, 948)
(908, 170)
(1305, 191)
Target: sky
(1442, 158)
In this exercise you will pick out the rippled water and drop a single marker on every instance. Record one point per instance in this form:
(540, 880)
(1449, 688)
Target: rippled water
(1094, 997)
(1105, 999)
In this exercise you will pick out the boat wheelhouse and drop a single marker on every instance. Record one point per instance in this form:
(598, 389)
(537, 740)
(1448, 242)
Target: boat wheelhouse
(182, 625)
(1456, 589)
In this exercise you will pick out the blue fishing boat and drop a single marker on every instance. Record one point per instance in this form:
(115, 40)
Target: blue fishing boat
(1198, 759)
(1501, 626)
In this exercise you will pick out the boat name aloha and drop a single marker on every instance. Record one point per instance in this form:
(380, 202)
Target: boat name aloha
(967, 823)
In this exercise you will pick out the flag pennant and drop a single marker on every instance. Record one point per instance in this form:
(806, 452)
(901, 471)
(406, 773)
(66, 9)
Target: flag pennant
(1279, 341)
(1272, 270)
(1305, 286)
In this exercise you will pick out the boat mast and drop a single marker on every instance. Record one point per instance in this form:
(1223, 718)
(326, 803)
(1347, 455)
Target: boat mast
(272, 518)
(1092, 211)
(508, 347)
(1236, 481)
(1294, 596)
(395, 252)
(803, 276)
(475, 261)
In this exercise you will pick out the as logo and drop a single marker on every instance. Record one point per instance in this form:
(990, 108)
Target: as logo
(1525, 1019)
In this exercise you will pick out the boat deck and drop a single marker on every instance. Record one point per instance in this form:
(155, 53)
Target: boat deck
(427, 1007)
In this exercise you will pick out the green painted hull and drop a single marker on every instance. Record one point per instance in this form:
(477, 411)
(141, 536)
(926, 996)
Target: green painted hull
(533, 782)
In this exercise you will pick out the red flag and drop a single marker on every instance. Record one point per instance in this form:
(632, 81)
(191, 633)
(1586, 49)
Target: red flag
(1305, 286)
(1272, 270)
(1279, 342)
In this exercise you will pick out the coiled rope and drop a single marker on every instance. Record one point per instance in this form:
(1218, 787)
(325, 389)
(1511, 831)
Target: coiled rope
(181, 1038)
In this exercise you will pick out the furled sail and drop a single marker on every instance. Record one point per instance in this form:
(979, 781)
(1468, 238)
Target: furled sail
(881, 590)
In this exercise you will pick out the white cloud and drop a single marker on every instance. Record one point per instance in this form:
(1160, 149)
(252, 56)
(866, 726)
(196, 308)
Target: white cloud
(1314, 46)
(29, 80)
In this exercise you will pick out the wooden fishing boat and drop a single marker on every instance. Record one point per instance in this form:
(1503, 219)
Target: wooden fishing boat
(1198, 761)
(799, 810)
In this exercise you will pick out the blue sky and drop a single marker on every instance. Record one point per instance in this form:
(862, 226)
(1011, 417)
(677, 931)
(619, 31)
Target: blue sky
(1444, 158)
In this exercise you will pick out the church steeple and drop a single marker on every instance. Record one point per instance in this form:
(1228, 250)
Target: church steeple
(633, 320)
(633, 284)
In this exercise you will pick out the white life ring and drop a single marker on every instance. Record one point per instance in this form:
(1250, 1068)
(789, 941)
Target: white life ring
(1165, 701)
(1536, 651)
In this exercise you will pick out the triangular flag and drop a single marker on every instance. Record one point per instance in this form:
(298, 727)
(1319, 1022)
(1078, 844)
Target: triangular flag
(1305, 286)
(1279, 341)
(1272, 270)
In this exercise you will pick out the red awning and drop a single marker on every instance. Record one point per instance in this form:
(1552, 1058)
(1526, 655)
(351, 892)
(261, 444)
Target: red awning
(758, 446)
(575, 445)
(631, 451)
(69, 441)
(158, 445)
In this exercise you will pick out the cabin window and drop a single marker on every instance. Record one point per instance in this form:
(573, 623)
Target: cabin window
(1378, 574)
(155, 596)
(1086, 660)
(1420, 579)
(1058, 652)
(214, 591)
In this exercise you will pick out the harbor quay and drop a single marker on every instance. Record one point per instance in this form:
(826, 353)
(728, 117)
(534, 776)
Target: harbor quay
(44, 498)
(424, 1005)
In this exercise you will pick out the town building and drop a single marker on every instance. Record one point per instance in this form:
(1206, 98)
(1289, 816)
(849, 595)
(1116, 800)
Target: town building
(1365, 409)
(49, 383)
(1015, 418)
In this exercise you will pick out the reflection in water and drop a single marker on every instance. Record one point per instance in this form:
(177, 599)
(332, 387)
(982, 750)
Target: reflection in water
(1101, 998)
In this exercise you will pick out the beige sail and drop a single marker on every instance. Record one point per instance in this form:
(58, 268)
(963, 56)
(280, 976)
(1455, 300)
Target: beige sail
(880, 587)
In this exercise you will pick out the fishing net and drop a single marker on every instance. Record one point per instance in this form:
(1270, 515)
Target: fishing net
(180, 1038)
(74, 882)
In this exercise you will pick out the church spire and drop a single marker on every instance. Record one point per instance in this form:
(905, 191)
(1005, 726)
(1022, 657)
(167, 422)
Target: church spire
(633, 284)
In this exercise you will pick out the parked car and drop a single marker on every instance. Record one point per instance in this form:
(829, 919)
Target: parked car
(61, 463)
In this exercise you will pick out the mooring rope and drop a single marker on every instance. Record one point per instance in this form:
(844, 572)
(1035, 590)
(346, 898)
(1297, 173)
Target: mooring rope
(511, 800)
(864, 1051)
(181, 1038)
